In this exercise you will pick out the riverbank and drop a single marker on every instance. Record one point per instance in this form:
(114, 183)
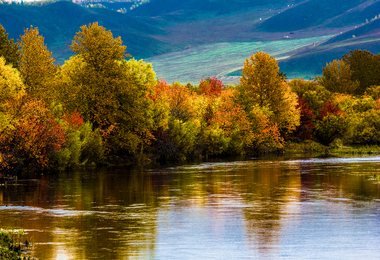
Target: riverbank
(336, 148)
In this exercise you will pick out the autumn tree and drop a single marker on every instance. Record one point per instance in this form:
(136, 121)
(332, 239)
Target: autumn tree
(175, 138)
(264, 87)
(305, 130)
(8, 49)
(96, 74)
(11, 88)
(312, 93)
(211, 86)
(34, 138)
(36, 63)
(11, 85)
(109, 91)
(337, 77)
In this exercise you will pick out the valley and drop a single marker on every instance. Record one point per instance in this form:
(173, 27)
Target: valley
(220, 59)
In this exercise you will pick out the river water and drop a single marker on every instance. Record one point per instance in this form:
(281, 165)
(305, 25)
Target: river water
(272, 208)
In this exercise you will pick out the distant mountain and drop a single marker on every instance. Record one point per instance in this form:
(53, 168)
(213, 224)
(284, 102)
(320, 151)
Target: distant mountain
(309, 14)
(177, 11)
(58, 22)
(311, 59)
(162, 26)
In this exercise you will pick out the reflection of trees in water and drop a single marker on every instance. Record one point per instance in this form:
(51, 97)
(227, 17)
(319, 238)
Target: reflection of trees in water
(86, 215)
(113, 214)
(338, 180)
(267, 192)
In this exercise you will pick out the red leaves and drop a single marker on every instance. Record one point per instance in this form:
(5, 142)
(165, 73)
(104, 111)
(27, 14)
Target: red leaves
(329, 108)
(74, 119)
(307, 115)
(37, 139)
(34, 140)
(305, 129)
(211, 86)
(377, 105)
(161, 87)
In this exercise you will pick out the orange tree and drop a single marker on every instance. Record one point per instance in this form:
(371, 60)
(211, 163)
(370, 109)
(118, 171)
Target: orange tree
(34, 138)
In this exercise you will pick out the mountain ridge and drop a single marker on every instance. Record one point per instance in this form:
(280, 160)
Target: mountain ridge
(163, 26)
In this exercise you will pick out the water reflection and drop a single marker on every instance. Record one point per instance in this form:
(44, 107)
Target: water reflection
(277, 209)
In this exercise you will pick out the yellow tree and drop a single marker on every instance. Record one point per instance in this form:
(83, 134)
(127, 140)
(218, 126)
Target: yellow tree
(8, 49)
(11, 87)
(36, 63)
(265, 88)
(110, 92)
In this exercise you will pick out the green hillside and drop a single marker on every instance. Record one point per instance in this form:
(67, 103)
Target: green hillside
(58, 22)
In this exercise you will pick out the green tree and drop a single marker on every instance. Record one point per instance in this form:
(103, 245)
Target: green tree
(330, 128)
(8, 49)
(365, 68)
(36, 64)
(337, 77)
(265, 87)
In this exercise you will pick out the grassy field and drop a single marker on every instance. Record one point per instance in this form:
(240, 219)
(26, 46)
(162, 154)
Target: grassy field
(219, 59)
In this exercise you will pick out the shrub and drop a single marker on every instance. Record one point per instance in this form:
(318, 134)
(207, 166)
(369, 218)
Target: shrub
(332, 126)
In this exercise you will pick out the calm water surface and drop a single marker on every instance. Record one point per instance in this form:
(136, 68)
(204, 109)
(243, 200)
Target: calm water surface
(255, 209)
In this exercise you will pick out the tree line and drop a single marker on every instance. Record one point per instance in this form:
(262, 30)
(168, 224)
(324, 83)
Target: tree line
(104, 107)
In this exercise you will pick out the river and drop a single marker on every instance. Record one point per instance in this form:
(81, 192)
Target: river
(269, 208)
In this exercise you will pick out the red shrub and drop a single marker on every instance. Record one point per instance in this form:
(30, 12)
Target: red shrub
(211, 86)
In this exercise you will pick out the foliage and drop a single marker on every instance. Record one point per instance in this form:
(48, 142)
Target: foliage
(35, 138)
(365, 127)
(260, 79)
(211, 86)
(11, 86)
(98, 48)
(330, 108)
(36, 63)
(374, 92)
(108, 90)
(10, 244)
(141, 71)
(306, 146)
(263, 86)
(262, 135)
(337, 77)
(332, 124)
(177, 133)
(100, 107)
(365, 69)
(83, 146)
(179, 99)
(351, 105)
(305, 130)
(312, 93)
(330, 128)
(8, 49)
(232, 119)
